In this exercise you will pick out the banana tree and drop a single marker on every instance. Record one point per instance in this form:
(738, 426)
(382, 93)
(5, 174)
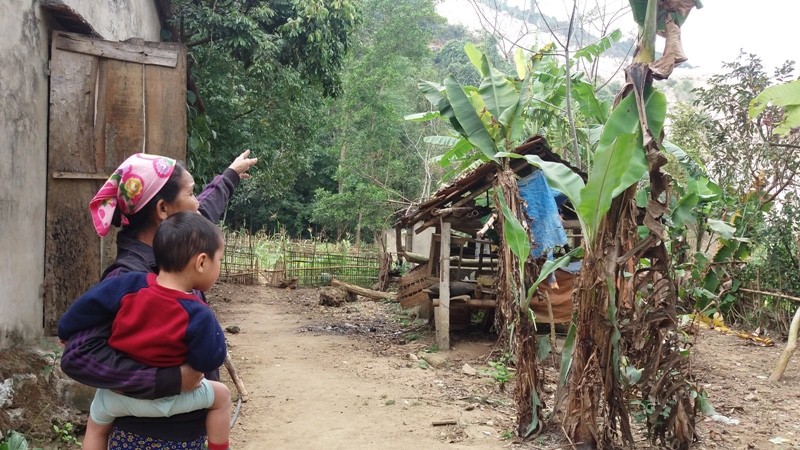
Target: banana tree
(625, 353)
(488, 121)
(625, 343)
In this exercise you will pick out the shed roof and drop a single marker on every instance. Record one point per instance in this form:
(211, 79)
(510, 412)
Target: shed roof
(467, 187)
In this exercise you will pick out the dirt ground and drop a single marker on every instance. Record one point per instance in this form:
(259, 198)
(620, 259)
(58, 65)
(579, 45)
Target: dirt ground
(353, 377)
(356, 377)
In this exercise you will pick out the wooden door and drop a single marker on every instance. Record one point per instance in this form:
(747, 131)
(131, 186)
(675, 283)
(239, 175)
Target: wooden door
(108, 100)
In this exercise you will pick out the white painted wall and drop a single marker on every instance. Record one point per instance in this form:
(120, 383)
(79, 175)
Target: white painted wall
(24, 91)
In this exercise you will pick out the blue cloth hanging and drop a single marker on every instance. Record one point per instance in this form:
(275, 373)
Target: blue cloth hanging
(546, 227)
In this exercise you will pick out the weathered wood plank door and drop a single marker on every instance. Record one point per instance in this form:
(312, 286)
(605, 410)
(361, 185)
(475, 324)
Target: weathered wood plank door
(108, 100)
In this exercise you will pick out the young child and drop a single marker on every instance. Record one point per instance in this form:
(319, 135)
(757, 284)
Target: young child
(160, 322)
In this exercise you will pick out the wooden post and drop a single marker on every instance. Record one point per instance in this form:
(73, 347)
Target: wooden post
(442, 312)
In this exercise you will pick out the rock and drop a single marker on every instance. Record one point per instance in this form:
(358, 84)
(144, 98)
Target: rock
(332, 296)
(233, 329)
(466, 369)
(76, 395)
(436, 360)
(6, 393)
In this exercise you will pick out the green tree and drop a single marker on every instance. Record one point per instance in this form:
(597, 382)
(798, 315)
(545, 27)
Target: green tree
(717, 131)
(367, 135)
(259, 73)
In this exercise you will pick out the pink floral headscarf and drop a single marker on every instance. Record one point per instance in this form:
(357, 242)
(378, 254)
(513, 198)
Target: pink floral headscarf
(135, 182)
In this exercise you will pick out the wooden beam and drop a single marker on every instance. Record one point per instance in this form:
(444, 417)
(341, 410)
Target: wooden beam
(483, 303)
(442, 312)
(116, 50)
(773, 294)
(457, 204)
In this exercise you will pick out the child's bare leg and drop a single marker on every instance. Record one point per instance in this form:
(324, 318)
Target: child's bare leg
(218, 420)
(96, 437)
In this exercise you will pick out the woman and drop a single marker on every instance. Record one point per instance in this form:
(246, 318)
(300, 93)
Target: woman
(142, 192)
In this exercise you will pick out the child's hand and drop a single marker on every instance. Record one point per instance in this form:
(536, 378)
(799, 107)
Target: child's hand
(190, 378)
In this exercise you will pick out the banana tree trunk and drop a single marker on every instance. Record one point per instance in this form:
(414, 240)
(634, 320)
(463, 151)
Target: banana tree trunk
(511, 292)
(596, 409)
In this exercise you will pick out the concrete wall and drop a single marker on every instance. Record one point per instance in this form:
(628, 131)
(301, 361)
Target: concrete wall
(118, 20)
(24, 92)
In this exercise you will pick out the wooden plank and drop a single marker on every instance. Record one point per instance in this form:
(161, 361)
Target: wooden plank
(72, 249)
(165, 109)
(121, 51)
(120, 120)
(442, 312)
(481, 303)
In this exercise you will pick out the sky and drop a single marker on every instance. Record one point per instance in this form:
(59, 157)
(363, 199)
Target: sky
(768, 28)
(711, 35)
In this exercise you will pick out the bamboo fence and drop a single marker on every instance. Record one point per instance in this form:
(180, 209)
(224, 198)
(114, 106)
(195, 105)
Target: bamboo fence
(240, 262)
(313, 266)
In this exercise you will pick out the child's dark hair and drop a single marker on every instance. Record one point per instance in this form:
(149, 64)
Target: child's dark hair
(181, 237)
(169, 192)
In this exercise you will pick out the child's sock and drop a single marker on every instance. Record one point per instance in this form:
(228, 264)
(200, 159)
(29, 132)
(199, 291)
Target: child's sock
(213, 446)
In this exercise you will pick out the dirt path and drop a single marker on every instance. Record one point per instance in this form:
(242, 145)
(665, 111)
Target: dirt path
(310, 390)
(343, 378)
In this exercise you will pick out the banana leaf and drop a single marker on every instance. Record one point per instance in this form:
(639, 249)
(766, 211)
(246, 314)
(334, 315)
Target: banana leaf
(520, 64)
(476, 58)
(785, 95)
(514, 234)
(593, 51)
(497, 91)
(608, 176)
(434, 93)
(469, 120)
(511, 118)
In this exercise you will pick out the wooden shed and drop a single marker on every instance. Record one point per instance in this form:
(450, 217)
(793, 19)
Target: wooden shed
(463, 219)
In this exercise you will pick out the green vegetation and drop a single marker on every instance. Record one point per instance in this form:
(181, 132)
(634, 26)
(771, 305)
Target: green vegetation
(14, 441)
(358, 109)
(499, 371)
(66, 434)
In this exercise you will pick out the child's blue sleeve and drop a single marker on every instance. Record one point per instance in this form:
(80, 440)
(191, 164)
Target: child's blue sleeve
(99, 305)
(205, 339)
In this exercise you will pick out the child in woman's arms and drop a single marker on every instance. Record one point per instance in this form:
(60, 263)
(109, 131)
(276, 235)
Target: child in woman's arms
(159, 321)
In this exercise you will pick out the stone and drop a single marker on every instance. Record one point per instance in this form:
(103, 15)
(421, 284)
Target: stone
(76, 395)
(333, 296)
(466, 369)
(436, 360)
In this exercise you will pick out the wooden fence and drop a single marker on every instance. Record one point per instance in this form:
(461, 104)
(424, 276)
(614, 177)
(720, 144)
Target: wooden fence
(313, 267)
(313, 264)
(240, 262)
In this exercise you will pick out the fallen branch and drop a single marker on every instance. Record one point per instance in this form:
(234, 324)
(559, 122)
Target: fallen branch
(774, 294)
(235, 377)
(440, 423)
(364, 292)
